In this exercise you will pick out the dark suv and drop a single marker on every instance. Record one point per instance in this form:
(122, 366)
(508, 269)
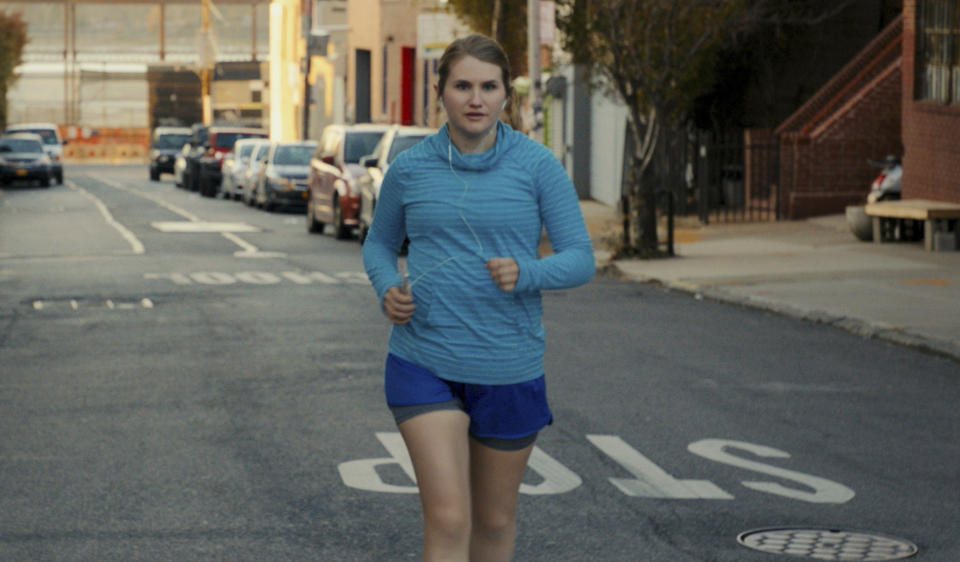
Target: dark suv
(219, 143)
(166, 144)
(193, 150)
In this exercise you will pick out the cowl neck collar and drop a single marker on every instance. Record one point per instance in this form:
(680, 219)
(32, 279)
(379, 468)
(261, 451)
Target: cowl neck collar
(475, 161)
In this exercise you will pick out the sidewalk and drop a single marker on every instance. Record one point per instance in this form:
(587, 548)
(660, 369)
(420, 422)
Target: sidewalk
(812, 269)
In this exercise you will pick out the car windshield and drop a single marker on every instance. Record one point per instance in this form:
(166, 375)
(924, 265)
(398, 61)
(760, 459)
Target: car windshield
(20, 145)
(48, 136)
(359, 145)
(226, 140)
(171, 141)
(293, 155)
(245, 150)
(402, 143)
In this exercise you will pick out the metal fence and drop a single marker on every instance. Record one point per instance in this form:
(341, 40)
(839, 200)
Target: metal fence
(733, 178)
(737, 179)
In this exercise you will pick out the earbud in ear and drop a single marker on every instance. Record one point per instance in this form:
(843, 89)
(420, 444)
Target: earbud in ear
(503, 105)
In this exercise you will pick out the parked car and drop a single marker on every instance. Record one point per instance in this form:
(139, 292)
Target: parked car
(219, 142)
(251, 177)
(334, 173)
(284, 178)
(22, 158)
(193, 150)
(394, 141)
(180, 164)
(52, 143)
(234, 168)
(164, 147)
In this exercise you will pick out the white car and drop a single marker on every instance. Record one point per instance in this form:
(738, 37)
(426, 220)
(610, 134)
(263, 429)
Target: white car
(251, 177)
(235, 167)
(52, 143)
(395, 141)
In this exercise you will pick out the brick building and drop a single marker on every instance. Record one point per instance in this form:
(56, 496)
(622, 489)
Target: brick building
(827, 144)
(931, 100)
(900, 95)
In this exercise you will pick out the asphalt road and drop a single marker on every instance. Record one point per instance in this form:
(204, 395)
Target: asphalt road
(172, 391)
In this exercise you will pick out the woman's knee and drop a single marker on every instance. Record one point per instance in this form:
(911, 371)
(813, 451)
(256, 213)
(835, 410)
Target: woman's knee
(494, 523)
(451, 521)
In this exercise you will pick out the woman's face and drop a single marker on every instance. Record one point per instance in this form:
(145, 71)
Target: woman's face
(473, 97)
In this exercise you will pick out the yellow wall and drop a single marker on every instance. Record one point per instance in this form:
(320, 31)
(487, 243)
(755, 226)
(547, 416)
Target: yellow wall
(286, 83)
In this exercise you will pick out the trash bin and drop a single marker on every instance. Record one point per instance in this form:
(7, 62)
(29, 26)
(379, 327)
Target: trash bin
(732, 186)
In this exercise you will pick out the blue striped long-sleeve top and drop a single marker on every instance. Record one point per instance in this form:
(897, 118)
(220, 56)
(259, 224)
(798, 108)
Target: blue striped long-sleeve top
(459, 210)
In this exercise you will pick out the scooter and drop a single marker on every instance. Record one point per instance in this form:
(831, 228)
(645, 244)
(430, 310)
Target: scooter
(886, 186)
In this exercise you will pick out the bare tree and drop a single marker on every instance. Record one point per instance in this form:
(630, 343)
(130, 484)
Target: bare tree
(13, 37)
(656, 57)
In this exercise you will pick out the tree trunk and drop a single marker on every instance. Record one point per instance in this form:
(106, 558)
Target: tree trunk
(643, 199)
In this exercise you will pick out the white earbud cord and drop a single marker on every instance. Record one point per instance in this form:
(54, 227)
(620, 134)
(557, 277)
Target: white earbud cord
(459, 205)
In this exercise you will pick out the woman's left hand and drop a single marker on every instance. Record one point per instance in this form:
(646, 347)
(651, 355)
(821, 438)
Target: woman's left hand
(504, 272)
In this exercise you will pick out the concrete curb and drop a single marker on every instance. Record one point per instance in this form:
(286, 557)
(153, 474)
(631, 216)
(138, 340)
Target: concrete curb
(863, 328)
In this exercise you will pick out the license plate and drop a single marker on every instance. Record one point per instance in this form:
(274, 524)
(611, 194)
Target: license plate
(21, 172)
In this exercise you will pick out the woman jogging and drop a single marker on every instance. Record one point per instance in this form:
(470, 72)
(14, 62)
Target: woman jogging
(464, 373)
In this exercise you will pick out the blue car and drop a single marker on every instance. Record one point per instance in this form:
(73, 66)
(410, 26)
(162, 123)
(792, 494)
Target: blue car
(22, 158)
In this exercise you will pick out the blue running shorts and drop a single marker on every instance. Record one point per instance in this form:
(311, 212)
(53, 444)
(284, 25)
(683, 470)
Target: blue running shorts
(506, 417)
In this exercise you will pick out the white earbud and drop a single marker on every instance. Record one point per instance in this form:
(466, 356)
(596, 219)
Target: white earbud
(503, 105)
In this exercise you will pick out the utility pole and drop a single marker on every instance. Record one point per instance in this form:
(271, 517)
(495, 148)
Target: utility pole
(205, 62)
(533, 64)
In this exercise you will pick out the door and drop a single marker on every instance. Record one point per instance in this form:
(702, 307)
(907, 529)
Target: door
(362, 88)
(407, 75)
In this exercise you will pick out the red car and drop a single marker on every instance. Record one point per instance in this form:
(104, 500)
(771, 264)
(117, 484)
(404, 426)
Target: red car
(334, 193)
(220, 142)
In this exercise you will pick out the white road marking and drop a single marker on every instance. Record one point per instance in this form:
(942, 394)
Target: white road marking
(203, 227)
(262, 277)
(824, 491)
(362, 474)
(131, 239)
(651, 481)
(248, 250)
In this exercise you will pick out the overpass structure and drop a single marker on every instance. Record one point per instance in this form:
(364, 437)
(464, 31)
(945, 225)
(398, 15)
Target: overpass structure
(99, 49)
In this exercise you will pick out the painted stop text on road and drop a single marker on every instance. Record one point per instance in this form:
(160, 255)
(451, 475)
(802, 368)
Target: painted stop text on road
(648, 480)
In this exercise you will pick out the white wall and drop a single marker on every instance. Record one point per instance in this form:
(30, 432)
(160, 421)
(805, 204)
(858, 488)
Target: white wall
(606, 152)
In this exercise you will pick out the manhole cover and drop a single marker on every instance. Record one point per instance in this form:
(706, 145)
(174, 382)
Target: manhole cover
(827, 544)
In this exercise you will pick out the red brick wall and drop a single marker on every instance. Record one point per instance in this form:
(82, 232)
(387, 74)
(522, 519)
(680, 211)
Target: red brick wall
(828, 168)
(931, 133)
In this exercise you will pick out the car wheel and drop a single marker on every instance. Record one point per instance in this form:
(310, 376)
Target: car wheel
(154, 175)
(340, 231)
(207, 188)
(47, 182)
(313, 225)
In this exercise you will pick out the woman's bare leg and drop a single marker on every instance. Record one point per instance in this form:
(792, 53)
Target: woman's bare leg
(495, 478)
(438, 446)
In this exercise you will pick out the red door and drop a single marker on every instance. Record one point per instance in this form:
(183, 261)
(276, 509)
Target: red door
(407, 75)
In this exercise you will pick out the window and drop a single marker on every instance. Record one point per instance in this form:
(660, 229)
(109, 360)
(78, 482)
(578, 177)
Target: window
(938, 51)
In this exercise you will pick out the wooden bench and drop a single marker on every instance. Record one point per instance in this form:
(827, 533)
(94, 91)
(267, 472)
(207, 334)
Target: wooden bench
(938, 217)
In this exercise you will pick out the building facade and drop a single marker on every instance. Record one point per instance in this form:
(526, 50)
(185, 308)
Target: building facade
(931, 100)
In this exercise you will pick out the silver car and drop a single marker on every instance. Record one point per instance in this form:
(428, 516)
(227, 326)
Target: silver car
(235, 167)
(283, 181)
(251, 176)
(395, 141)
